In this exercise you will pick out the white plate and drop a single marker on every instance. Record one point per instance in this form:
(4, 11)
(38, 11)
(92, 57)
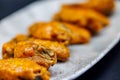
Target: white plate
(82, 56)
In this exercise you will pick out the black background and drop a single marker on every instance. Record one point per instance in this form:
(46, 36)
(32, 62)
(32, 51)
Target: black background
(107, 69)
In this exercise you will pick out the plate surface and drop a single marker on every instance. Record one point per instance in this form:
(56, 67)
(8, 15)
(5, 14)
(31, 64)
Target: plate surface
(82, 56)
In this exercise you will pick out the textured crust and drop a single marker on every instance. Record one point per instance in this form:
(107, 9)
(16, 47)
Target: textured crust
(98, 5)
(105, 7)
(22, 48)
(83, 17)
(36, 52)
(9, 49)
(22, 69)
(53, 31)
(60, 49)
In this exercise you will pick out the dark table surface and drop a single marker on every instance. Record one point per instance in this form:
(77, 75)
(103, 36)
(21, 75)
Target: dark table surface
(107, 69)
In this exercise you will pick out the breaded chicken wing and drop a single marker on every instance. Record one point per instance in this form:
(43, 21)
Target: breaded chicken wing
(37, 52)
(28, 49)
(53, 31)
(86, 18)
(22, 69)
(60, 49)
(105, 7)
(79, 35)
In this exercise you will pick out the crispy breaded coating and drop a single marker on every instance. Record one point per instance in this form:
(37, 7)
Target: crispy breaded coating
(60, 49)
(22, 69)
(105, 7)
(53, 31)
(79, 35)
(20, 47)
(36, 52)
(83, 18)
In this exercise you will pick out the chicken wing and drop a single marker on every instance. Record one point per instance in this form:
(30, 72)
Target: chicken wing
(20, 47)
(22, 69)
(36, 52)
(86, 18)
(53, 31)
(60, 49)
(105, 7)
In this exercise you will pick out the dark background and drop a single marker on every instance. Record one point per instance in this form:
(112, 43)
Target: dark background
(107, 69)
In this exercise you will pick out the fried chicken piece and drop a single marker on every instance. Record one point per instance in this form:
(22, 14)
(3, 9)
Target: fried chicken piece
(28, 49)
(22, 69)
(79, 35)
(86, 18)
(19, 47)
(53, 31)
(60, 49)
(36, 52)
(105, 7)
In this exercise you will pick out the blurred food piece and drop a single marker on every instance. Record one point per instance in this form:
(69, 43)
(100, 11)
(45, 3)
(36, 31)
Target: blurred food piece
(20, 47)
(9, 48)
(105, 7)
(76, 35)
(22, 69)
(53, 31)
(82, 17)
